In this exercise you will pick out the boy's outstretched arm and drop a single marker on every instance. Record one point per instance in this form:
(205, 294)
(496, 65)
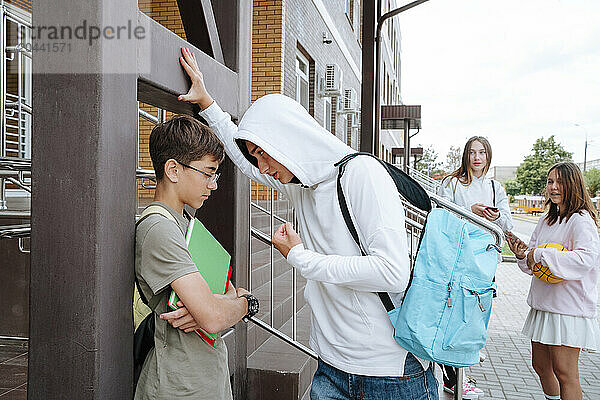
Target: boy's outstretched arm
(219, 121)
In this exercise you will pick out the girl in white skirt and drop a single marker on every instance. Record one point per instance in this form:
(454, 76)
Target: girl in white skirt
(562, 320)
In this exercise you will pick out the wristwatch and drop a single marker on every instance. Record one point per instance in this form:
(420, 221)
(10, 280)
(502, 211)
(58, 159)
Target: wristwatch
(252, 306)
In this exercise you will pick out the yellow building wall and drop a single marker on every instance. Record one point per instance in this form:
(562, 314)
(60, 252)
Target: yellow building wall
(22, 4)
(267, 60)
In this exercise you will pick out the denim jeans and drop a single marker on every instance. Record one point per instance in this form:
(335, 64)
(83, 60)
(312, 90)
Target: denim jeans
(329, 383)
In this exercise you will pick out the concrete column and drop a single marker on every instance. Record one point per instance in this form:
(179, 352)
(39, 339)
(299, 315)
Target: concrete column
(227, 213)
(83, 161)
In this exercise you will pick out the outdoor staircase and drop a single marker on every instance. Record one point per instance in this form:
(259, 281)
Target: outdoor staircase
(277, 370)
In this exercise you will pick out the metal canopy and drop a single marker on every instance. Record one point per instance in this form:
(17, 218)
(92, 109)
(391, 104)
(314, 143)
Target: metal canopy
(414, 151)
(394, 117)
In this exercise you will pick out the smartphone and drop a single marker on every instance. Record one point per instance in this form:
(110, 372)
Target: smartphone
(494, 209)
(510, 236)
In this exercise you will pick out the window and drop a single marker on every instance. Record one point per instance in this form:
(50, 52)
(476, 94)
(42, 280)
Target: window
(302, 86)
(327, 113)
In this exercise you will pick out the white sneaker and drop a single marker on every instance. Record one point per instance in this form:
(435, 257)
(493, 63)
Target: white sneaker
(482, 356)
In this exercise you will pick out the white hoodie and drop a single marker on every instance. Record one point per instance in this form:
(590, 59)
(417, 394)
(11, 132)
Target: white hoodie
(479, 191)
(350, 328)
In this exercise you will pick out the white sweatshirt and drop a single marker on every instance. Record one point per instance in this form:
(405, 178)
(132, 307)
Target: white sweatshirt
(479, 191)
(350, 328)
(577, 295)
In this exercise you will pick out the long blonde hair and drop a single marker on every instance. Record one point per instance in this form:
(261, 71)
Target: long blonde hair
(463, 173)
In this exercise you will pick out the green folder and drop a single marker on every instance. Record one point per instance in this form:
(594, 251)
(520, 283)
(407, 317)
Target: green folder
(212, 261)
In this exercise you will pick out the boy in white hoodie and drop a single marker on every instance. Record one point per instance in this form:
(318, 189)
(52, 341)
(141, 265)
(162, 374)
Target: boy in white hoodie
(280, 145)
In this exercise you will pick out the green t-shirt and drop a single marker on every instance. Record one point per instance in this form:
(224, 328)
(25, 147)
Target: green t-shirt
(181, 365)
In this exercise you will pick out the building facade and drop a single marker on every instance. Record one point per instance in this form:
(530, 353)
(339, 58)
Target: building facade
(504, 173)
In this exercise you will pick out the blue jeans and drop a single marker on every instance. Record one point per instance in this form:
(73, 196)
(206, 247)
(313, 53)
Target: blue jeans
(329, 383)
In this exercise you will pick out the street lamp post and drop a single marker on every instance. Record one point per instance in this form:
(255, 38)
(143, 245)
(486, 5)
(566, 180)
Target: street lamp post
(584, 147)
(380, 22)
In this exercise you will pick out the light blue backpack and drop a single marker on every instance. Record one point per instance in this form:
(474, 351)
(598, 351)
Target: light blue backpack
(446, 309)
(448, 303)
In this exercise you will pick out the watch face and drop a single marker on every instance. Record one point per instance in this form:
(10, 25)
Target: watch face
(252, 305)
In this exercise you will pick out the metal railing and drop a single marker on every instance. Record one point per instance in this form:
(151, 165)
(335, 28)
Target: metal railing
(15, 127)
(16, 171)
(276, 209)
(15, 119)
(142, 174)
(428, 183)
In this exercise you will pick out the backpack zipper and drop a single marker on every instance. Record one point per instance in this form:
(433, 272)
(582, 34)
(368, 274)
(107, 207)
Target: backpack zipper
(478, 299)
(449, 286)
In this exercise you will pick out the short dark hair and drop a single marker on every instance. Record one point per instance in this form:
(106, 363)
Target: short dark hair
(184, 139)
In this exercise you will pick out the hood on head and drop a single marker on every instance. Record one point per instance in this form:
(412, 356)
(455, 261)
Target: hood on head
(285, 130)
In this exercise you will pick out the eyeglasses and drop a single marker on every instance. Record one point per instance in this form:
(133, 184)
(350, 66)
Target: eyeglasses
(212, 178)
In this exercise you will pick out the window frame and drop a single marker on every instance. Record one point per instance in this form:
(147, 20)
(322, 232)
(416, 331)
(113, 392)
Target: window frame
(327, 120)
(302, 77)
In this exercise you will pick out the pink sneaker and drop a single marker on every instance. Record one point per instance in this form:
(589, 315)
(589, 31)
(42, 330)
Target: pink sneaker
(473, 382)
(470, 391)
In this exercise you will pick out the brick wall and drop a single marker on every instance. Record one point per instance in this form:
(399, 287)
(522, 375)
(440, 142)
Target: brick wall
(267, 47)
(165, 12)
(22, 4)
(267, 59)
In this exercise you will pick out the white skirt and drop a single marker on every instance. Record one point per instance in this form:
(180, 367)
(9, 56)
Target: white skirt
(562, 330)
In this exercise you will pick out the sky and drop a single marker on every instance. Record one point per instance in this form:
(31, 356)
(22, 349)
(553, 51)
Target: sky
(511, 70)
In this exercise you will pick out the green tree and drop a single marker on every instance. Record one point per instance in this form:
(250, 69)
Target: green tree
(592, 181)
(513, 187)
(531, 174)
(453, 159)
(428, 164)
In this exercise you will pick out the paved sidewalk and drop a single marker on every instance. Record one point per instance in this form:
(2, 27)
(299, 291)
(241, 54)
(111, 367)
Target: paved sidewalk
(507, 371)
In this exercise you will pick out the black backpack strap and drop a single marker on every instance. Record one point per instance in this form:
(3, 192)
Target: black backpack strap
(494, 192)
(383, 296)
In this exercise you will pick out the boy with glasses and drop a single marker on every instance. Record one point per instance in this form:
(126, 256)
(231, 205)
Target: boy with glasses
(185, 155)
